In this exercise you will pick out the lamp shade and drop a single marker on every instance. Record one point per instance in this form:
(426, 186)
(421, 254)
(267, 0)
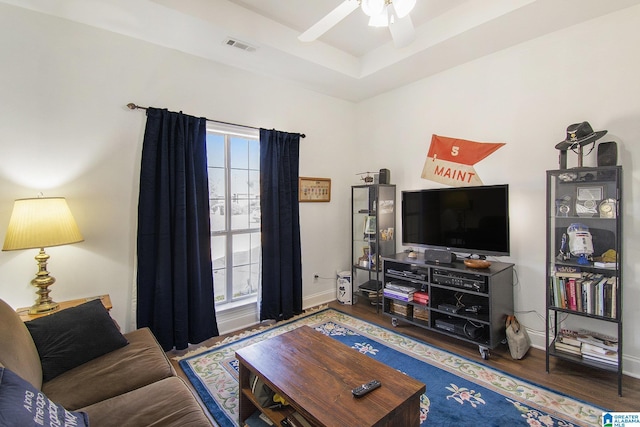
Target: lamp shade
(41, 223)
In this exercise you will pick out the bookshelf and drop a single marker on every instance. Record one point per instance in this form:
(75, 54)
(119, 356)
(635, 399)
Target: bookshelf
(373, 221)
(584, 266)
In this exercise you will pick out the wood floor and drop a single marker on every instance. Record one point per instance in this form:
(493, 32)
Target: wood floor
(590, 385)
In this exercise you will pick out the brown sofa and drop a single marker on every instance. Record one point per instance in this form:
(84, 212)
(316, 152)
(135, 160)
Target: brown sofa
(134, 385)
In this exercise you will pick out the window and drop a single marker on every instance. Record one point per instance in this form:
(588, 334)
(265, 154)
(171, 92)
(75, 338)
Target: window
(233, 160)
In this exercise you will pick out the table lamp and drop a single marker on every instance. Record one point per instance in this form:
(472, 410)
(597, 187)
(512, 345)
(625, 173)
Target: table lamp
(40, 223)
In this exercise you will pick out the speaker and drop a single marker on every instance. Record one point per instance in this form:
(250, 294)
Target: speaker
(607, 154)
(384, 176)
(439, 257)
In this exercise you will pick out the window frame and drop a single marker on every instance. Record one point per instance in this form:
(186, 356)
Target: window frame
(228, 132)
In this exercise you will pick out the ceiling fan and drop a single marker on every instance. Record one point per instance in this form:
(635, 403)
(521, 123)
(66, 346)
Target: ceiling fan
(382, 13)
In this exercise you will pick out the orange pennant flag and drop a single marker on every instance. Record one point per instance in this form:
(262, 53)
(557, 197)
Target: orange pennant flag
(450, 160)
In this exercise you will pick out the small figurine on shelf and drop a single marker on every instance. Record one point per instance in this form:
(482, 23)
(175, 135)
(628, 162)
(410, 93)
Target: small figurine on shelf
(580, 242)
(563, 254)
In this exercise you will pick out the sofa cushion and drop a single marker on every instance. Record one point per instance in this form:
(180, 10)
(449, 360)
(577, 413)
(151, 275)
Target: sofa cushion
(21, 356)
(71, 337)
(166, 403)
(127, 368)
(22, 405)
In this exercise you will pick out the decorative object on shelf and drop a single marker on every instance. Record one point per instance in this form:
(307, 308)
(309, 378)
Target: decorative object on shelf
(370, 225)
(587, 200)
(367, 178)
(477, 263)
(36, 224)
(563, 206)
(384, 177)
(314, 189)
(580, 242)
(607, 208)
(578, 135)
(386, 234)
(365, 260)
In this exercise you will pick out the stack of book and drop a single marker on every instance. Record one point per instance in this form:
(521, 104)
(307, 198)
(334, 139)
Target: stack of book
(598, 347)
(421, 297)
(371, 289)
(567, 342)
(420, 313)
(399, 291)
(589, 345)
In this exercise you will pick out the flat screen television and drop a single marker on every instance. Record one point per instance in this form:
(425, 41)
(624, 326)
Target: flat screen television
(463, 220)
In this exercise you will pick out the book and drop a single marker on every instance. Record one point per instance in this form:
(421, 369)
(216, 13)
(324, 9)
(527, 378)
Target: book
(611, 358)
(421, 297)
(590, 348)
(397, 295)
(566, 348)
(570, 337)
(598, 340)
(568, 271)
(601, 264)
(258, 419)
(399, 287)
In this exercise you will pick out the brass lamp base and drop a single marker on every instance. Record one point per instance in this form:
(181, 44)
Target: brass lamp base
(44, 307)
(44, 303)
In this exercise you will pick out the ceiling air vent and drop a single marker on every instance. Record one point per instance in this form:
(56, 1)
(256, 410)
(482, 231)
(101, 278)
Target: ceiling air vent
(239, 44)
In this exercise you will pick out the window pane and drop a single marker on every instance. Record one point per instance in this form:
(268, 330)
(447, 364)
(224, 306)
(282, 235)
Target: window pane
(239, 199)
(234, 198)
(246, 249)
(215, 150)
(216, 199)
(254, 154)
(239, 156)
(219, 259)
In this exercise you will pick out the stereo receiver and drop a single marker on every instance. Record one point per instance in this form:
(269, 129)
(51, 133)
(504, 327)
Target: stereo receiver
(470, 281)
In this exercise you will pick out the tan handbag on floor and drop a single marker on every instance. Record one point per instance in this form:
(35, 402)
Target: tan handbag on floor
(517, 338)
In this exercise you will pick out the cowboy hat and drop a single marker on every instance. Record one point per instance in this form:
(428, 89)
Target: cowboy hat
(579, 134)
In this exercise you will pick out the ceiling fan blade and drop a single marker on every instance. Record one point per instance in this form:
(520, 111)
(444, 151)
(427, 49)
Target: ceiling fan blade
(343, 10)
(402, 31)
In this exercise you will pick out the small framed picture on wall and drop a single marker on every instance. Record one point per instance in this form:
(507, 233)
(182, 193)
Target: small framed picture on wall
(314, 189)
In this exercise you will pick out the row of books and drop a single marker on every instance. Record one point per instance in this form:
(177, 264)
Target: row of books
(587, 292)
(402, 292)
(588, 345)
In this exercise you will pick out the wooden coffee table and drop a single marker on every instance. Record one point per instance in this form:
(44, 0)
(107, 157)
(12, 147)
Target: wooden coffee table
(316, 374)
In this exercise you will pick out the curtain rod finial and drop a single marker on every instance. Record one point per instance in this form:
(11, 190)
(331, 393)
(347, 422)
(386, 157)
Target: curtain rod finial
(132, 106)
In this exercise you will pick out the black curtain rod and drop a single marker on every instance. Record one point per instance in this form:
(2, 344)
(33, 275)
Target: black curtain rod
(133, 106)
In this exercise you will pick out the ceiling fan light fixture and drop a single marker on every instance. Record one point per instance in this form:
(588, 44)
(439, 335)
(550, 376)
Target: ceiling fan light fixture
(403, 7)
(373, 8)
(380, 20)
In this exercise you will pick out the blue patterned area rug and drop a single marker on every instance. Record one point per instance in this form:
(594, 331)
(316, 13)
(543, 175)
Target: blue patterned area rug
(460, 392)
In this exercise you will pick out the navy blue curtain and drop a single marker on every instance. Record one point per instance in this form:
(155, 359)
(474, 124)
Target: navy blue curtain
(281, 296)
(175, 278)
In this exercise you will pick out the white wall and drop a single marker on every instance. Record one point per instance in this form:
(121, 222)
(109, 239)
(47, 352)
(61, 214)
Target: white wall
(65, 131)
(526, 96)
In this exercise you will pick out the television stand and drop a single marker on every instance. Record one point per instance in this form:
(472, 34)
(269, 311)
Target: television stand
(469, 304)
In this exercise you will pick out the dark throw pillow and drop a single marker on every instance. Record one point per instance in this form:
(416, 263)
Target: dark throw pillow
(23, 405)
(71, 337)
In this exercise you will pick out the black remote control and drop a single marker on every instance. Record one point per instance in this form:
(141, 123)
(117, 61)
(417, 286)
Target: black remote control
(366, 388)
